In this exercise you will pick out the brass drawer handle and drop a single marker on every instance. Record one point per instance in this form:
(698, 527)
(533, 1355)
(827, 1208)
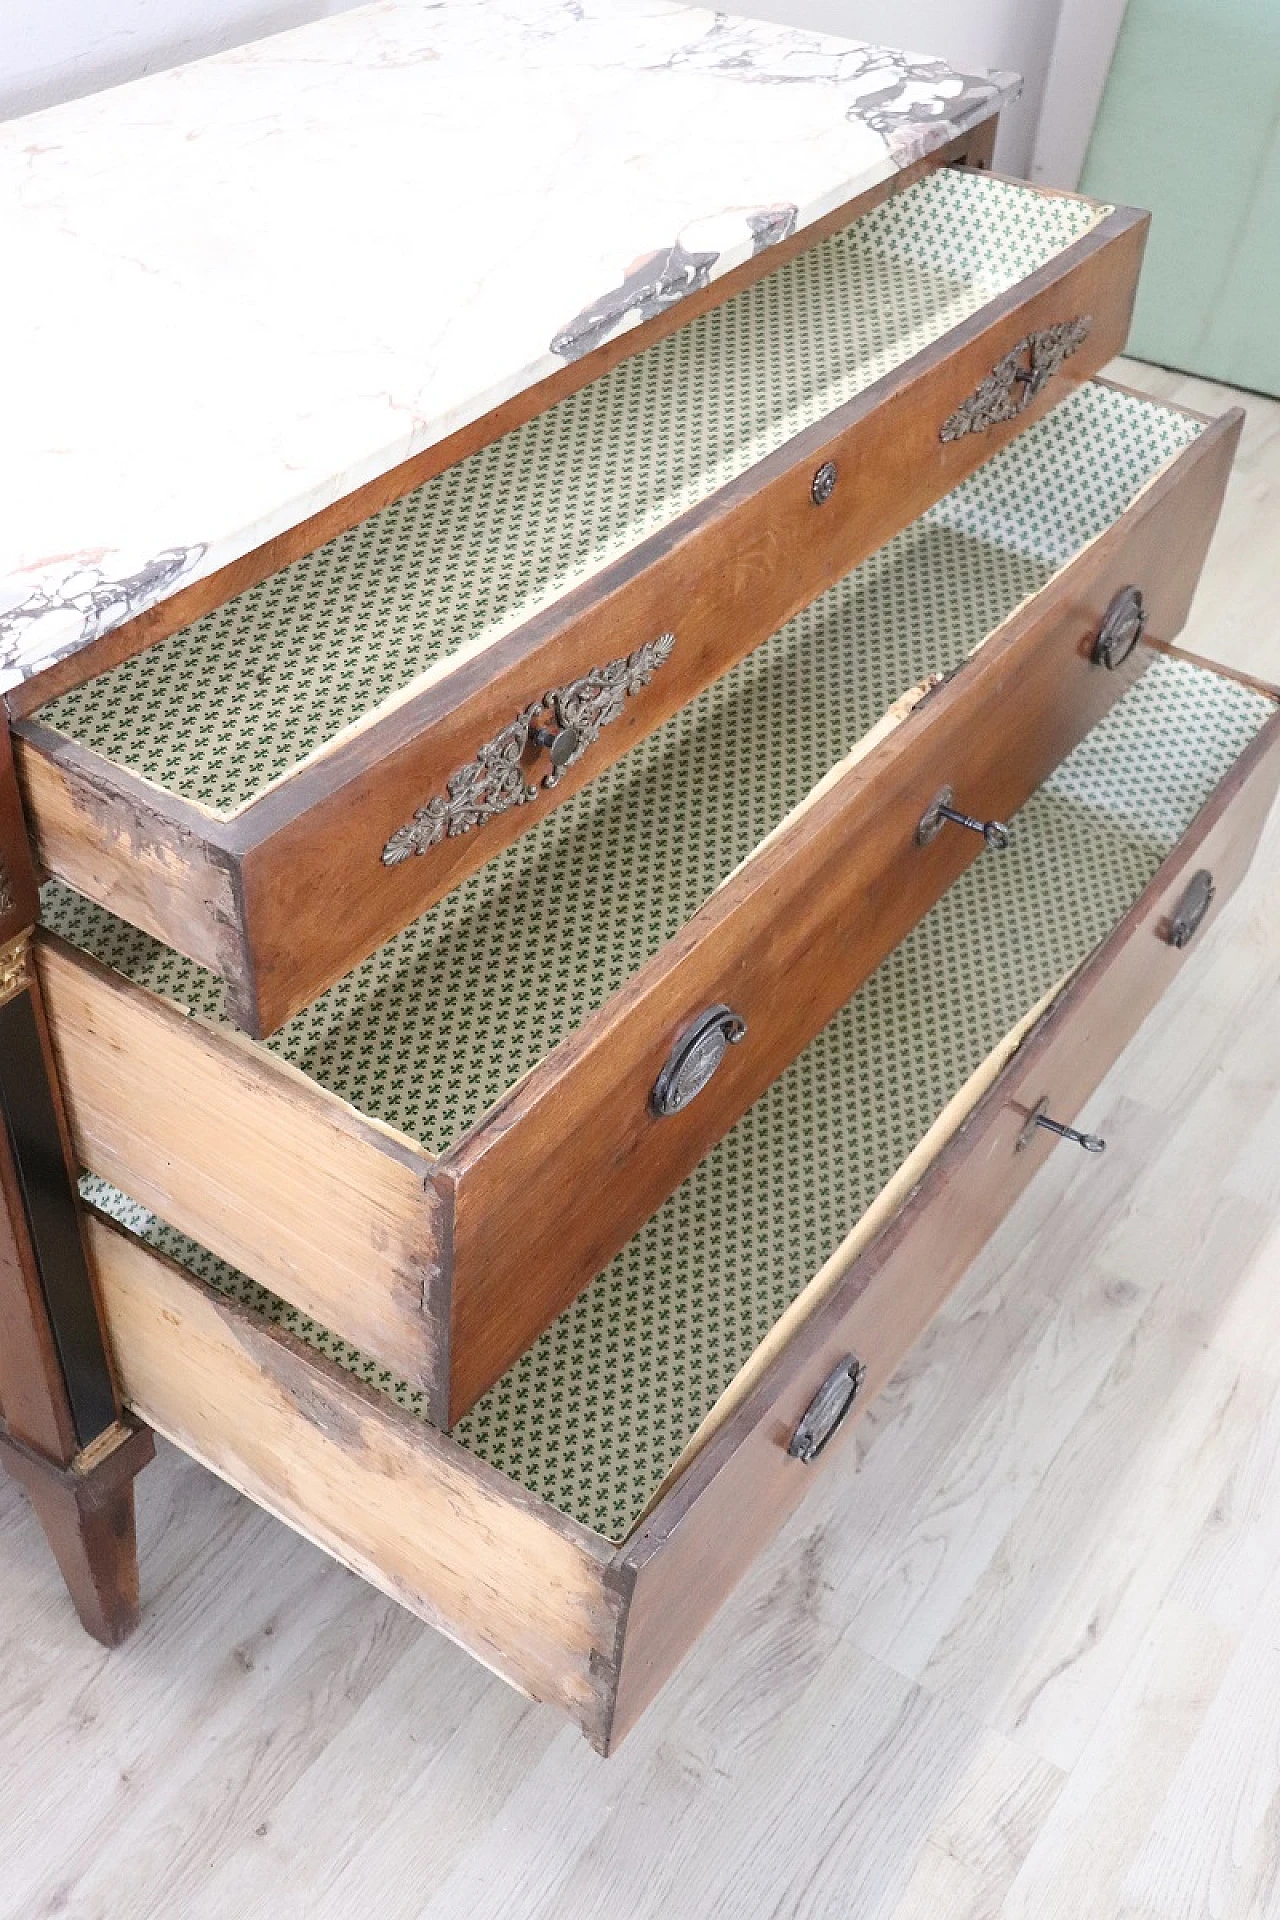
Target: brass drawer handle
(1017, 378)
(694, 1058)
(940, 810)
(1123, 625)
(1192, 908)
(827, 1410)
(1039, 1118)
(496, 780)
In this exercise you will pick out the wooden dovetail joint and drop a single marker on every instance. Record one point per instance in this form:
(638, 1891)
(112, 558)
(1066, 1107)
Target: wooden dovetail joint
(495, 780)
(15, 966)
(1017, 378)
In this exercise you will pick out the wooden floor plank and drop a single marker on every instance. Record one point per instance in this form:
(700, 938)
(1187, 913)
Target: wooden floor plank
(994, 1466)
(977, 1846)
(882, 1754)
(1246, 1325)
(1080, 1574)
(1100, 1819)
(1236, 1554)
(1211, 1847)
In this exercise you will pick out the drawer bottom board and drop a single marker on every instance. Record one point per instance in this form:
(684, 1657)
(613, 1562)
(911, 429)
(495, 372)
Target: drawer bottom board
(596, 1415)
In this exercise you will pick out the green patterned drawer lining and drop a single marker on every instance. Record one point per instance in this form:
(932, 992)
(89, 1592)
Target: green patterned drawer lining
(219, 710)
(620, 867)
(594, 1415)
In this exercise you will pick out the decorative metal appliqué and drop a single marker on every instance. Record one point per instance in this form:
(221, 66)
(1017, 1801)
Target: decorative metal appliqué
(1015, 380)
(497, 780)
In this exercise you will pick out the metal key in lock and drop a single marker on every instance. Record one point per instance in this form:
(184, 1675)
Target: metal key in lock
(1039, 1118)
(994, 832)
(940, 811)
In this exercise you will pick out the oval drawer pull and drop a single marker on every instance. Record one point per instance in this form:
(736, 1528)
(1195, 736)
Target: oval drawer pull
(1192, 907)
(1039, 1117)
(1123, 625)
(694, 1058)
(825, 1413)
(940, 811)
(496, 780)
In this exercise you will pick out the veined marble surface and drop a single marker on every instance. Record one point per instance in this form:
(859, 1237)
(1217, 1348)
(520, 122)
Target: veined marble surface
(237, 290)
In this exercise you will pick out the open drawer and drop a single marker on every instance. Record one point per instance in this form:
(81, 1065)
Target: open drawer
(278, 787)
(442, 1152)
(594, 1509)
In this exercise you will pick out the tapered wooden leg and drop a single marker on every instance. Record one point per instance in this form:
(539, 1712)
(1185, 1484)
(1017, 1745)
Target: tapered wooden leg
(86, 1511)
(63, 1434)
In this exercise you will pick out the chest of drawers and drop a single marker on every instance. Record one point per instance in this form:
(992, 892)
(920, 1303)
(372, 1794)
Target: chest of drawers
(553, 958)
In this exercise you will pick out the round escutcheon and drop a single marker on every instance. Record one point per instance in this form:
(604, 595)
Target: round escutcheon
(824, 483)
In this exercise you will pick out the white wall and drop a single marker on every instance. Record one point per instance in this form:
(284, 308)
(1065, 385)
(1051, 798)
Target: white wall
(52, 50)
(1078, 67)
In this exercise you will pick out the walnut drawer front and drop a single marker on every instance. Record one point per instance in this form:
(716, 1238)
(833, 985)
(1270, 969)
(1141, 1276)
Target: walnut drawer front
(596, 1508)
(279, 787)
(437, 1158)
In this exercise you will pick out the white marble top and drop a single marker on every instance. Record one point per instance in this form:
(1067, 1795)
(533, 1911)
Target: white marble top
(237, 290)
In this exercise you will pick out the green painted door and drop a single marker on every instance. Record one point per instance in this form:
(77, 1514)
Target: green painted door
(1190, 127)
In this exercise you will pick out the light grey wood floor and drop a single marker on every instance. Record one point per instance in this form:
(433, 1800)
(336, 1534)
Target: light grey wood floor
(1025, 1662)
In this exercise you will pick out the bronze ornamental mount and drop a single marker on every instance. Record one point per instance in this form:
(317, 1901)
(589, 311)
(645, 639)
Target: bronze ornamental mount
(1017, 377)
(565, 721)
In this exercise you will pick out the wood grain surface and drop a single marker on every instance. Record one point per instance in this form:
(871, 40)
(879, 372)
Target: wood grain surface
(448, 1268)
(253, 895)
(788, 938)
(523, 1589)
(335, 1213)
(1062, 1539)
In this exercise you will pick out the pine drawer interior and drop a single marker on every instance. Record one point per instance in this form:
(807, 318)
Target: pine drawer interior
(411, 1063)
(228, 705)
(407, 1040)
(596, 1415)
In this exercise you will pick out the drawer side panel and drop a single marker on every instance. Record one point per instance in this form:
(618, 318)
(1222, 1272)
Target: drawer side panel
(254, 1161)
(526, 1593)
(158, 866)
